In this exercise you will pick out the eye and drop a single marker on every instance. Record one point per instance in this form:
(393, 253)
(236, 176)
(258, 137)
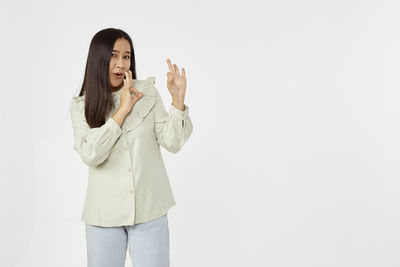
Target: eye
(113, 54)
(128, 57)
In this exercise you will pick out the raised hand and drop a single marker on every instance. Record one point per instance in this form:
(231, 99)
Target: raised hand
(176, 83)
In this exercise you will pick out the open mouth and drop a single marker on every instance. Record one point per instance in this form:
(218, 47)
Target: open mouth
(118, 75)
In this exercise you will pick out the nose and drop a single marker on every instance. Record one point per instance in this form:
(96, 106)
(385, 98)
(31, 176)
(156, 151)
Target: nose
(120, 64)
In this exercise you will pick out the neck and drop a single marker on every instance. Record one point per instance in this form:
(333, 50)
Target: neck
(115, 89)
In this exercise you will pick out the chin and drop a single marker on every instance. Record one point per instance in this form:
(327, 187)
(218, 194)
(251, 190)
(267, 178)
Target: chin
(115, 85)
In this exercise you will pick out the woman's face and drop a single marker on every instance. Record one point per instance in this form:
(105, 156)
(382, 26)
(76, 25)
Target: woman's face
(119, 63)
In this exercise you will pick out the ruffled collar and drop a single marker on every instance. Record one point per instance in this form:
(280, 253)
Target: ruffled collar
(145, 86)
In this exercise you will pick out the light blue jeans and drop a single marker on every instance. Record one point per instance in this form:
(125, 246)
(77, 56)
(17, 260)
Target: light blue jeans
(148, 244)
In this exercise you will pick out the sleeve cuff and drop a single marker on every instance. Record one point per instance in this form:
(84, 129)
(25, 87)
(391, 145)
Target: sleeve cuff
(179, 113)
(114, 126)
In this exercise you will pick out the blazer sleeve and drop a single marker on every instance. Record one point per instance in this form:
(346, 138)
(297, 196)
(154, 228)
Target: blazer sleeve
(92, 144)
(172, 128)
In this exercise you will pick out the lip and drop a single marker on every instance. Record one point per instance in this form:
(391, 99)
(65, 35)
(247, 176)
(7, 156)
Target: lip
(118, 77)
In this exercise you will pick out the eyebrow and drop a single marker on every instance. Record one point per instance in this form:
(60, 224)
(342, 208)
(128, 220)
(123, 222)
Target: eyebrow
(125, 51)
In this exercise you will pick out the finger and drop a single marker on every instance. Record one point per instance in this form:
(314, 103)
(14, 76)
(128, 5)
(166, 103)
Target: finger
(126, 79)
(137, 97)
(183, 72)
(129, 80)
(135, 90)
(170, 76)
(127, 88)
(171, 69)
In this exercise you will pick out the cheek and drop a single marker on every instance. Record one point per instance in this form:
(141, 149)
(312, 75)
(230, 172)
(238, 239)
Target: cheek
(112, 64)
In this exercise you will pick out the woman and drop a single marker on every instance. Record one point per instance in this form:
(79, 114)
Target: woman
(119, 123)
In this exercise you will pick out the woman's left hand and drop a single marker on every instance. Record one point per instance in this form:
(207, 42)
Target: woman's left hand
(176, 84)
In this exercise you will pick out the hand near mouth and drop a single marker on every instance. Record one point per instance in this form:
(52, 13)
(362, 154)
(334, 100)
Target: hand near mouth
(127, 101)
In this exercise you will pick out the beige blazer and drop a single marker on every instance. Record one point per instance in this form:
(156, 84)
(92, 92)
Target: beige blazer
(127, 181)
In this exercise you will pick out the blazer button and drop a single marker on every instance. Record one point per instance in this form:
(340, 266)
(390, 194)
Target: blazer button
(129, 169)
(131, 191)
(125, 148)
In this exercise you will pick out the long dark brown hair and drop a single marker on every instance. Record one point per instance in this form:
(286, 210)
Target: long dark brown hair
(96, 83)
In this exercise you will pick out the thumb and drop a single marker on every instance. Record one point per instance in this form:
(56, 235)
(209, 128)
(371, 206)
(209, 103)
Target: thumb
(136, 97)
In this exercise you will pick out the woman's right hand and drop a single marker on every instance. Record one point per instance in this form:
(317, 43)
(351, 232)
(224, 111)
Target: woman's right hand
(126, 99)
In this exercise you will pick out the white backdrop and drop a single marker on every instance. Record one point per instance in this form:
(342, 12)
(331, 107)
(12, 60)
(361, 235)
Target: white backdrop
(293, 160)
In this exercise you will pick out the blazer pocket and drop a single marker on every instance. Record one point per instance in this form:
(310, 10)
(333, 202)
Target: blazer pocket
(138, 113)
